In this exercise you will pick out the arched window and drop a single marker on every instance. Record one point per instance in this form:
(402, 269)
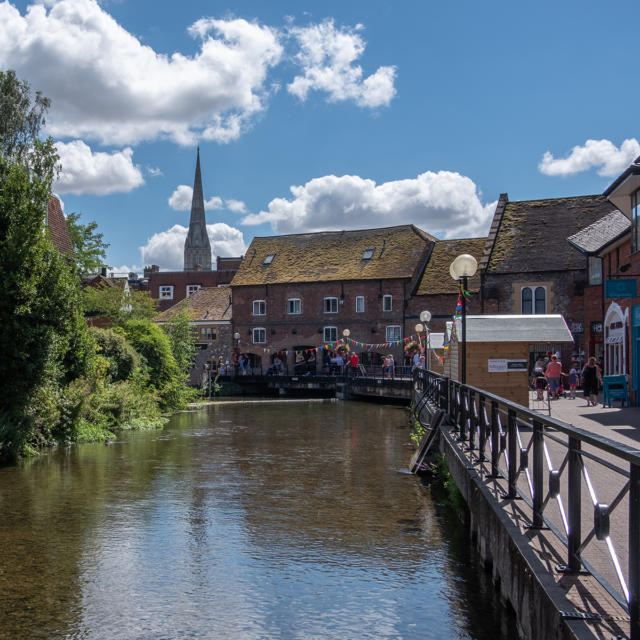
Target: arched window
(541, 300)
(527, 300)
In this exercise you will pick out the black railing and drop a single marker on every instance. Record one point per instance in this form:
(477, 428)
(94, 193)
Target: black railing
(515, 447)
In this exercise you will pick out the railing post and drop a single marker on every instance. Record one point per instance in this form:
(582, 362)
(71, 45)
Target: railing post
(482, 439)
(495, 439)
(538, 473)
(462, 412)
(513, 455)
(634, 550)
(575, 504)
(472, 419)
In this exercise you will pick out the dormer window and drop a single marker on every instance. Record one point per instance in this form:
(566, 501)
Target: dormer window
(368, 254)
(269, 259)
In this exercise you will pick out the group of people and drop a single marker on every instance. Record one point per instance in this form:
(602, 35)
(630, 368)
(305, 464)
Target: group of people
(418, 361)
(548, 375)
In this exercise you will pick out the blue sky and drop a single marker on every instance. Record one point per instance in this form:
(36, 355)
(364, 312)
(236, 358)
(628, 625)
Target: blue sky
(323, 115)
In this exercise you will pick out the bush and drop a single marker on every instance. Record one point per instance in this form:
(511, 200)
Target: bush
(121, 356)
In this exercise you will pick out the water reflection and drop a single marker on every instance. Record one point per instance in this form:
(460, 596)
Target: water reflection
(239, 521)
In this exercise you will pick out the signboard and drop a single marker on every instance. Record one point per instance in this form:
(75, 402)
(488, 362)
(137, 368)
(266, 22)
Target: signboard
(621, 288)
(507, 366)
(596, 327)
(576, 327)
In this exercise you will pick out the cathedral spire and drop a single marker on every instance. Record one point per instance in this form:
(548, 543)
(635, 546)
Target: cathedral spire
(197, 248)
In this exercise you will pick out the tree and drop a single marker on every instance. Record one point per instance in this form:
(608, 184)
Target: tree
(43, 331)
(89, 246)
(112, 302)
(182, 338)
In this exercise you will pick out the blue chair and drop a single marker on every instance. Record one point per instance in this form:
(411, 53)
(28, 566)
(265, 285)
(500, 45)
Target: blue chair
(615, 388)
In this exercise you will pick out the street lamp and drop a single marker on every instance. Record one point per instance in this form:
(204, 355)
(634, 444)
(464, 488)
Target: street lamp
(463, 268)
(346, 333)
(236, 337)
(425, 317)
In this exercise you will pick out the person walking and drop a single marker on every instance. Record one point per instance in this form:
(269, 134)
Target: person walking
(591, 381)
(353, 364)
(552, 374)
(574, 378)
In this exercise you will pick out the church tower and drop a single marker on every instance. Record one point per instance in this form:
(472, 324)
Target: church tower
(197, 249)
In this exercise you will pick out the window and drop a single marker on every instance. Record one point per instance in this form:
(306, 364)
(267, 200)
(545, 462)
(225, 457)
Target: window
(331, 305)
(394, 333)
(330, 334)
(368, 254)
(635, 221)
(595, 270)
(387, 303)
(192, 288)
(294, 305)
(534, 300)
(259, 335)
(615, 340)
(208, 333)
(166, 292)
(359, 304)
(259, 308)
(269, 259)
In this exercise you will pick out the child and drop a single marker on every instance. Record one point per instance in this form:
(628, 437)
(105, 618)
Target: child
(573, 380)
(541, 385)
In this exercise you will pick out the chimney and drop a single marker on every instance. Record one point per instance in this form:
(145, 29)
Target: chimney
(154, 268)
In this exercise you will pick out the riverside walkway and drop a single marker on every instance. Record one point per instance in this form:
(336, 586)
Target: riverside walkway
(566, 489)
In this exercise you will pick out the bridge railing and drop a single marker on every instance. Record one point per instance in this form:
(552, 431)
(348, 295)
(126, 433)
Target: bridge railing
(581, 486)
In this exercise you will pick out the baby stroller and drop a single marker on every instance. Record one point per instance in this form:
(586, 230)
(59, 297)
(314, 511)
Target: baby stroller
(540, 386)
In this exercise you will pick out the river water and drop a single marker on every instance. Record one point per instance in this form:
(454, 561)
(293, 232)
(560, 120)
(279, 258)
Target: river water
(240, 520)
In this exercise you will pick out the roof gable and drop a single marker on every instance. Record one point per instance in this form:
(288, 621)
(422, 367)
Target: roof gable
(58, 226)
(532, 235)
(436, 278)
(334, 255)
(598, 235)
(208, 303)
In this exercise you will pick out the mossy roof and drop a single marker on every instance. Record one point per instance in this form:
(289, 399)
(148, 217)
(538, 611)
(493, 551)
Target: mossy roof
(436, 278)
(532, 235)
(334, 255)
(208, 303)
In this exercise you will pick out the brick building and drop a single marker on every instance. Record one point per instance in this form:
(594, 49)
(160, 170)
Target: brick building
(209, 311)
(293, 294)
(528, 267)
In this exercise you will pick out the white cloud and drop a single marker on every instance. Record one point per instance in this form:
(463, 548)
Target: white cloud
(603, 154)
(155, 171)
(237, 206)
(95, 172)
(445, 204)
(327, 57)
(123, 270)
(166, 248)
(180, 199)
(106, 85)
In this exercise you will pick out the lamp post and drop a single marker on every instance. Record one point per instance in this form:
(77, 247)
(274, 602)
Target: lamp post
(425, 318)
(463, 268)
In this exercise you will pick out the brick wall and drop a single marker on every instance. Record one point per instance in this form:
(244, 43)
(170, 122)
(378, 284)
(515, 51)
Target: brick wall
(179, 281)
(287, 331)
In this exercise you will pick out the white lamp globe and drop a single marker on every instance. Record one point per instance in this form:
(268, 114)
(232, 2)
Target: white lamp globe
(425, 316)
(419, 328)
(236, 335)
(346, 333)
(464, 266)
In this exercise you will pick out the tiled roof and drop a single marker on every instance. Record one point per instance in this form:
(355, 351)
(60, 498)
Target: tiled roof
(208, 303)
(334, 255)
(437, 278)
(600, 233)
(532, 235)
(58, 226)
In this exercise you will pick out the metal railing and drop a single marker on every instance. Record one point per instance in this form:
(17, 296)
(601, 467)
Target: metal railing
(556, 470)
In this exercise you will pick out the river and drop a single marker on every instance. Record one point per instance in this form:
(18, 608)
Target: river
(240, 520)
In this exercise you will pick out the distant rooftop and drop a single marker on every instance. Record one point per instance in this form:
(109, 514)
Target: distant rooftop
(599, 234)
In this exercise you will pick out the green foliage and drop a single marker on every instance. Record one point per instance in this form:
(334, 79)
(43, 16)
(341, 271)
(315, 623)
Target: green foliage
(182, 339)
(122, 358)
(119, 306)
(89, 246)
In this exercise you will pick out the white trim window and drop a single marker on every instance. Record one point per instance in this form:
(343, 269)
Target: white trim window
(192, 288)
(387, 302)
(259, 335)
(533, 300)
(330, 334)
(294, 306)
(208, 333)
(165, 292)
(259, 308)
(330, 306)
(394, 333)
(615, 339)
(359, 304)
